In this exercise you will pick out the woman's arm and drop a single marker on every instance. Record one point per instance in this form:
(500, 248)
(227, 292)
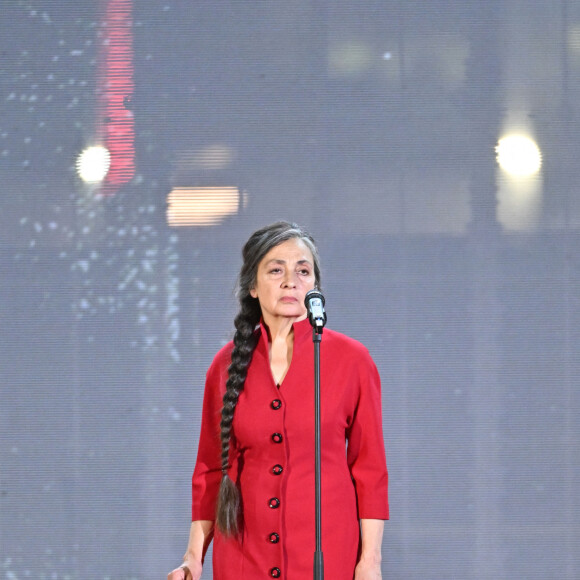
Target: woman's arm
(369, 564)
(200, 535)
(366, 450)
(367, 463)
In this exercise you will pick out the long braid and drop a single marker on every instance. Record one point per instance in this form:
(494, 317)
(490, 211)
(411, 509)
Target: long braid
(228, 507)
(245, 341)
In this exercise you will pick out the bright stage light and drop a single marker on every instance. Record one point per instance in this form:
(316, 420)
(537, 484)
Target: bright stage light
(519, 155)
(93, 164)
(201, 206)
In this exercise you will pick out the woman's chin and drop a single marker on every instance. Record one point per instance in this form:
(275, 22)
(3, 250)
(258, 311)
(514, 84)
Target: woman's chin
(296, 313)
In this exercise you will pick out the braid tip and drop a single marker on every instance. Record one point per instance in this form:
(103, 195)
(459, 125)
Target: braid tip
(228, 507)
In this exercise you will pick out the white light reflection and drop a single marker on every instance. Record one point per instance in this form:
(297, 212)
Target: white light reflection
(93, 164)
(519, 184)
(519, 155)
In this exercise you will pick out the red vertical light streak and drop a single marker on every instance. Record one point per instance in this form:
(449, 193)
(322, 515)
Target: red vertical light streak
(115, 122)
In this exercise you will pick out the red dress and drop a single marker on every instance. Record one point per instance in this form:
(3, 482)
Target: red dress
(273, 459)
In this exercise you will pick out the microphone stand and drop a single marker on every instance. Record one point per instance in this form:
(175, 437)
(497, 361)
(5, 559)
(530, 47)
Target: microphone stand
(318, 556)
(315, 305)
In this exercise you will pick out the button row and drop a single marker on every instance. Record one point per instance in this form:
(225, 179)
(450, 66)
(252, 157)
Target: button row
(274, 503)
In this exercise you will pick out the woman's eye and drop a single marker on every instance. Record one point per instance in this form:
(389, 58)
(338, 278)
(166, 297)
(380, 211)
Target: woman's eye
(304, 272)
(275, 270)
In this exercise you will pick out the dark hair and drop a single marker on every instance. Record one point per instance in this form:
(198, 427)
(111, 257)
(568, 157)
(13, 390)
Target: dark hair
(245, 341)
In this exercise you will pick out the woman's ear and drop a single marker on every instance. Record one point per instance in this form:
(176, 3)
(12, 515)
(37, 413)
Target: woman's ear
(253, 293)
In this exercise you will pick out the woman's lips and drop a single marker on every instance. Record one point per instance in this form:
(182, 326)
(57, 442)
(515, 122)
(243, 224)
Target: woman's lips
(288, 299)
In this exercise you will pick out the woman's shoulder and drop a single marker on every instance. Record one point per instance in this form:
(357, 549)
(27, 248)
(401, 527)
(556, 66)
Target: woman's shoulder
(225, 351)
(349, 345)
(222, 358)
(345, 354)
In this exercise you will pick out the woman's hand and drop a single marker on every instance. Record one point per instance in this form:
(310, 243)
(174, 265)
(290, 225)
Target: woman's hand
(200, 535)
(187, 571)
(366, 570)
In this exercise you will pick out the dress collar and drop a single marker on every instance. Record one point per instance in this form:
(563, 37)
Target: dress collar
(302, 331)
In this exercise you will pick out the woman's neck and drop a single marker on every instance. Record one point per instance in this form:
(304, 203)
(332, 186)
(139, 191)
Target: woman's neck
(280, 347)
(280, 328)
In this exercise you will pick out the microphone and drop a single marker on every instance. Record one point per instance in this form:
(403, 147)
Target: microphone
(314, 302)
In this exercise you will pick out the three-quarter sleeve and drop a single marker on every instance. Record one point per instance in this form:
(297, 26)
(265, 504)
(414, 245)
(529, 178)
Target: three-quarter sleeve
(207, 473)
(366, 449)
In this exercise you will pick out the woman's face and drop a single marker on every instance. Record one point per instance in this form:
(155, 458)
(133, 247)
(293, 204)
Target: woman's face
(285, 275)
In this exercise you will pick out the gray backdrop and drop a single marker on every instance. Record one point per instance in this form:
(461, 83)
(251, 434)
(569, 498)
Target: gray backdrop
(372, 123)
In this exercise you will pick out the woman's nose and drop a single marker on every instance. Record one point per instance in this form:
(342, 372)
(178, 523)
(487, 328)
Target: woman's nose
(290, 280)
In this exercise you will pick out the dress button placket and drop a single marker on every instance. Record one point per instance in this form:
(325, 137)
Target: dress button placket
(277, 469)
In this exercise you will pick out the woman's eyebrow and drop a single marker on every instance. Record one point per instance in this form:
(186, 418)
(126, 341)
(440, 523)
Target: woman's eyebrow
(280, 261)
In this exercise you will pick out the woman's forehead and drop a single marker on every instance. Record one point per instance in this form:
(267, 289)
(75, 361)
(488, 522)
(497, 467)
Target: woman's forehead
(294, 250)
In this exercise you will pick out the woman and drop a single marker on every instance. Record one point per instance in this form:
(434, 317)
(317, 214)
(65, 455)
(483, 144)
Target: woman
(256, 451)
